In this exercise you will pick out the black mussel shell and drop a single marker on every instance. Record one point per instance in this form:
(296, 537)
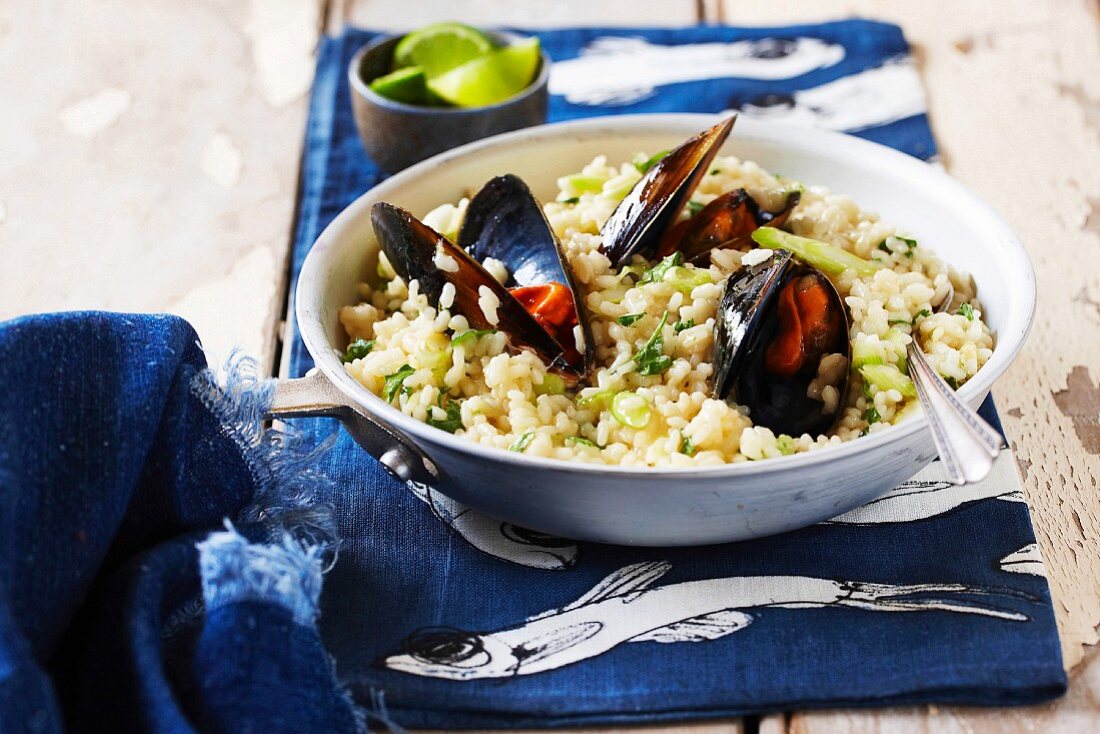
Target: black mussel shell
(505, 221)
(726, 222)
(636, 225)
(411, 247)
(777, 321)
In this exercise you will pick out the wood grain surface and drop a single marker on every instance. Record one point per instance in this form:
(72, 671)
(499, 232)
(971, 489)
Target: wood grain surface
(149, 157)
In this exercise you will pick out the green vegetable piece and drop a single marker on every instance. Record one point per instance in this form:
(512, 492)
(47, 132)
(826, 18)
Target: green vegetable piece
(571, 200)
(598, 400)
(648, 163)
(395, 382)
(823, 256)
(785, 444)
(650, 359)
(686, 446)
(629, 319)
(686, 279)
(522, 442)
(682, 325)
(715, 171)
(888, 377)
(694, 207)
(631, 410)
(967, 310)
(470, 335)
(551, 385)
(890, 245)
(580, 441)
(871, 415)
(922, 314)
(452, 422)
(578, 183)
(865, 352)
(657, 273)
(952, 382)
(357, 350)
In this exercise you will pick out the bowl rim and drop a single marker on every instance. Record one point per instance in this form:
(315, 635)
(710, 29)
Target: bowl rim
(362, 87)
(835, 144)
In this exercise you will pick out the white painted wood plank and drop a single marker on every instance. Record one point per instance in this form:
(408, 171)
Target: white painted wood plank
(391, 15)
(149, 156)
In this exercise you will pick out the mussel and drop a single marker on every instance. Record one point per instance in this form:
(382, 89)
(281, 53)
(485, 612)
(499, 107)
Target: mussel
(727, 222)
(781, 346)
(543, 312)
(637, 224)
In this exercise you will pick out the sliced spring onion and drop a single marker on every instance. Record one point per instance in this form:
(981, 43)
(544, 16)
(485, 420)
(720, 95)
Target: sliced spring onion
(785, 444)
(644, 165)
(823, 256)
(864, 352)
(578, 184)
(967, 310)
(888, 377)
(551, 385)
(470, 335)
(686, 446)
(685, 279)
(631, 409)
(598, 400)
(520, 445)
(580, 441)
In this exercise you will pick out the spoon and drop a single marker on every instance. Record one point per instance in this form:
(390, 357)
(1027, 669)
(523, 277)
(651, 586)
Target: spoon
(966, 443)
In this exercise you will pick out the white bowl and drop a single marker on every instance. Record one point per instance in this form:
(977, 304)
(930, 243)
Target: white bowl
(675, 506)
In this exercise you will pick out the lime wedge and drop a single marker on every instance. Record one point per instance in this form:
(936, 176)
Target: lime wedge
(404, 85)
(440, 47)
(491, 78)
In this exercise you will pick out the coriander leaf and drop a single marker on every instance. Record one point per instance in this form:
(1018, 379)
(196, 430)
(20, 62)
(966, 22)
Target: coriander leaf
(357, 350)
(657, 273)
(910, 245)
(694, 207)
(686, 446)
(395, 382)
(470, 335)
(922, 314)
(452, 422)
(571, 200)
(967, 310)
(649, 358)
(522, 442)
(871, 415)
(681, 325)
(882, 246)
(629, 319)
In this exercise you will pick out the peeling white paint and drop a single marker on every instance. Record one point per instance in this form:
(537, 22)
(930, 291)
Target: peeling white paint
(221, 160)
(282, 36)
(92, 115)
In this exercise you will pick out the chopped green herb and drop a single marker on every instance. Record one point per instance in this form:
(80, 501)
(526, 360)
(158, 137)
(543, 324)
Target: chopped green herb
(629, 319)
(785, 444)
(650, 162)
(522, 442)
(954, 383)
(649, 358)
(715, 171)
(470, 335)
(871, 415)
(579, 441)
(357, 350)
(657, 273)
(967, 310)
(895, 322)
(882, 246)
(890, 245)
(686, 446)
(681, 325)
(452, 422)
(395, 382)
(922, 314)
(571, 200)
(694, 207)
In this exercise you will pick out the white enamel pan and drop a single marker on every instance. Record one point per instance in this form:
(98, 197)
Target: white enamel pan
(655, 506)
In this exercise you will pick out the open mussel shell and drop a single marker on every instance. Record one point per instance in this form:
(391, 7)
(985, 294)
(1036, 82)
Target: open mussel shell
(781, 340)
(416, 251)
(727, 222)
(636, 225)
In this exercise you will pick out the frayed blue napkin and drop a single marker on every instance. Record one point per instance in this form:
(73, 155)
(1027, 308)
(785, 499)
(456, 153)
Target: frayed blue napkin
(931, 594)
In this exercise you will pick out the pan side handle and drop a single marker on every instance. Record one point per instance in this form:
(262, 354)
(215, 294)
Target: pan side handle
(314, 396)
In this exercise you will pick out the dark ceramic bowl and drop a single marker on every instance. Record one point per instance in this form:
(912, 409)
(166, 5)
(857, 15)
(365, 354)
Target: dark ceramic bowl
(396, 134)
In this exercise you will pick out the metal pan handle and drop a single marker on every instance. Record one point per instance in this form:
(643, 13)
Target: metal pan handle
(314, 396)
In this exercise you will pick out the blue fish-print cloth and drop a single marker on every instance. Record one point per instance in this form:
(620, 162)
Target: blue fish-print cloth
(951, 606)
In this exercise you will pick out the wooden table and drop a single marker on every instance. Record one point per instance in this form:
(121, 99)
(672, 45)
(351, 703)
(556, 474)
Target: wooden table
(149, 157)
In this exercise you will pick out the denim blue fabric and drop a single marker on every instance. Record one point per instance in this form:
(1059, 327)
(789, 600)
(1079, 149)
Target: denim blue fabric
(409, 593)
(118, 454)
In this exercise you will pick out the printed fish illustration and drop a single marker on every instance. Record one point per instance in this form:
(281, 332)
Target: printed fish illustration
(620, 71)
(626, 607)
(1026, 560)
(922, 499)
(871, 98)
(496, 538)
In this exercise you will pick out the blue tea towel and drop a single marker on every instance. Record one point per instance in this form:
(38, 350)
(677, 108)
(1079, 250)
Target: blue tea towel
(932, 594)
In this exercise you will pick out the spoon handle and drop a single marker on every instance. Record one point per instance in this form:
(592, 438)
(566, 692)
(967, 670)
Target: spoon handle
(966, 443)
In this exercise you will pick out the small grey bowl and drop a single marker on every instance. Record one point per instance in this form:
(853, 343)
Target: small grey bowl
(396, 134)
